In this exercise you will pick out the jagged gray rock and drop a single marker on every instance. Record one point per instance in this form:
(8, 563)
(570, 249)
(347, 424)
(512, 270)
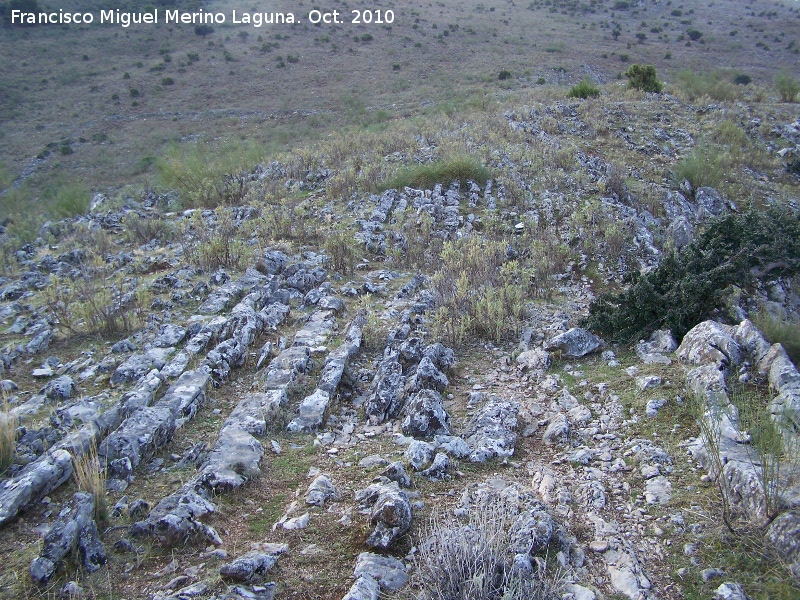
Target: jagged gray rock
(252, 566)
(710, 343)
(784, 535)
(425, 415)
(438, 469)
(386, 396)
(313, 409)
(365, 588)
(321, 491)
(152, 427)
(427, 376)
(397, 472)
(390, 513)
(418, 454)
(389, 572)
(730, 591)
(490, 432)
(36, 480)
(557, 431)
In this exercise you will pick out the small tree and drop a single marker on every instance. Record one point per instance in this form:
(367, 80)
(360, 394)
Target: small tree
(27, 6)
(643, 77)
(694, 34)
(203, 30)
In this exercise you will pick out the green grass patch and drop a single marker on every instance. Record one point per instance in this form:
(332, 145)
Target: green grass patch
(66, 201)
(459, 168)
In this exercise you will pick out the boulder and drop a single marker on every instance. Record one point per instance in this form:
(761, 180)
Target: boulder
(418, 454)
(425, 415)
(710, 343)
(536, 360)
(385, 399)
(321, 490)
(253, 566)
(389, 572)
(490, 432)
(390, 513)
(574, 343)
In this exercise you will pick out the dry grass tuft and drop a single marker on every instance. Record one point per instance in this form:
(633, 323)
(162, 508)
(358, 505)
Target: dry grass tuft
(473, 561)
(90, 476)
(8, 435)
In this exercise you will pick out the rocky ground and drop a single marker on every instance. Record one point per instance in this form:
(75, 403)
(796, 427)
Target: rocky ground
(286, 428)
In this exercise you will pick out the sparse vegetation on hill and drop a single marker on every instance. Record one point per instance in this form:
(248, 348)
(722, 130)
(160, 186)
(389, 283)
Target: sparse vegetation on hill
(237, 266)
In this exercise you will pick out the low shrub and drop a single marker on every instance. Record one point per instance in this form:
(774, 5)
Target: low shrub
(217, 245)
(207, 176)
(685, 288)
(504, 75)
(66, 201)
(340, 246)
(583, 90)
(99, 301)
(705, 166)
(478, 291)
(643, 77)
(473, 560)
(714, 84)
(142, 230)
(787, 86)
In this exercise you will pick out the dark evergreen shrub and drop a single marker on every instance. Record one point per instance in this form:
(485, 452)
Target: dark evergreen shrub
(688, 285)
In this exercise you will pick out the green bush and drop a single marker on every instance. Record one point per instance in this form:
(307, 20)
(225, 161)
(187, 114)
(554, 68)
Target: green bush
(787, 86)
(142, 230)
(583, 90)
(340, 246)
(504, 75)
(688, 285)
(458, 168)
(694, 34)
(643, 77)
